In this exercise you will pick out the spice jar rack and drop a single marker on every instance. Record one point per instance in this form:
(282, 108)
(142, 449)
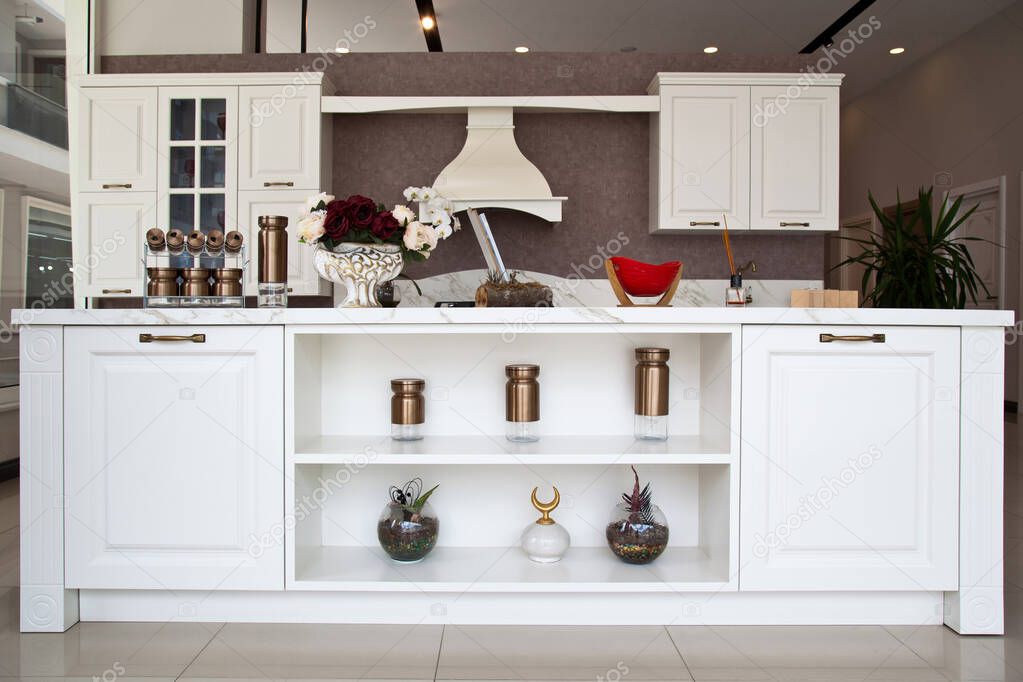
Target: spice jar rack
(204, 272)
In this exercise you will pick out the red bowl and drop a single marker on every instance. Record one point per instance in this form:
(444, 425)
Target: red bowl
(644, 279)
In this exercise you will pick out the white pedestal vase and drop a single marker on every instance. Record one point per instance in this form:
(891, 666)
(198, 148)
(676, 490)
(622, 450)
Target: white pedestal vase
(360, 268)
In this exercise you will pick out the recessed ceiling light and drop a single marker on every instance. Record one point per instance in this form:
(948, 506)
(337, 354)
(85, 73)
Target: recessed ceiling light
(522, 49)
(897, 50)
(710, 49)
(428, 22)
(342, 50)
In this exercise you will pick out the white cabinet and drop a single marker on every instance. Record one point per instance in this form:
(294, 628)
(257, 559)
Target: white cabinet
(794, 182)
(116, 133)
(198, 156)
(107, 248)
(279, 146)
(174, 456)
(850, 459)
(302, 277)
(702, 147)
(757, 150)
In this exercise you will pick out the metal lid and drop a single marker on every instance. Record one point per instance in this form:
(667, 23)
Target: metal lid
(522, 371)
(273, 222)
(162, 272)
(652, 354)
(195, 273)
(227, 273)
(407, 385)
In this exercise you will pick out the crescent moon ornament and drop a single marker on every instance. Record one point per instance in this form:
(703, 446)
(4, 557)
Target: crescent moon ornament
(546, 508)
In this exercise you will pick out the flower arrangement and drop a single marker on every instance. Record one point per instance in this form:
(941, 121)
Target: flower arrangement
(328, 221)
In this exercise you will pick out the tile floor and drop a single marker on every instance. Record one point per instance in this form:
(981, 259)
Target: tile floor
(117, 652)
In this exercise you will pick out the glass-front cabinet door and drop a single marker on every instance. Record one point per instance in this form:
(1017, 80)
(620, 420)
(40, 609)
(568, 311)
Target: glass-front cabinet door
(198, 157)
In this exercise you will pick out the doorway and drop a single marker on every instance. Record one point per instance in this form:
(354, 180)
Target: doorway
(987, 223)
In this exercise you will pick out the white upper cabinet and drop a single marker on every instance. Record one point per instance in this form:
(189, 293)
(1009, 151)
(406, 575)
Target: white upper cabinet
(758, 150)
(850, 458)
(279, 144)
(117, 139)
(174, 457)
(702, 149)
(794, 181)
(108, 248)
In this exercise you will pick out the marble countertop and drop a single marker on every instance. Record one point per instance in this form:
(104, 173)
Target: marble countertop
(522, 317)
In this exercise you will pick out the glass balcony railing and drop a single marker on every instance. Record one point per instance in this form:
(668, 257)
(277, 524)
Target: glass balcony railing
(29, 112)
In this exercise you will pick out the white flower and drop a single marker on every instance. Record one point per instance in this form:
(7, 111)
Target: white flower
(443, 231)
(310, 226)
(426, 193)
(312, 202)
(403, 214)
(411, 193)
(420, 237)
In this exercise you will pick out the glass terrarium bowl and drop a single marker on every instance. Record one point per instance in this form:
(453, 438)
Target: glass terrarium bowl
(635, 538)
(407, 537)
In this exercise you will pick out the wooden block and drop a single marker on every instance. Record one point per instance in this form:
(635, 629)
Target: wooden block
(831, 297)
(816, 298)
(848, 299)
(800, 298)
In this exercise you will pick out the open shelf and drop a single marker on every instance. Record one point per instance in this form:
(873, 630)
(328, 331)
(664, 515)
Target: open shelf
(506, 569)
(458, 449)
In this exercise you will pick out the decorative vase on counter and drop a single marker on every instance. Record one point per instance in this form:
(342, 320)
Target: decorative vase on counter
(408, 526)
(638, 531)
(360, 268)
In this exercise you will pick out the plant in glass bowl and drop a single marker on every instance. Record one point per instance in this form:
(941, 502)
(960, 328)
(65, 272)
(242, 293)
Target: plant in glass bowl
(638, 532)
(407, 529)
(361, 244)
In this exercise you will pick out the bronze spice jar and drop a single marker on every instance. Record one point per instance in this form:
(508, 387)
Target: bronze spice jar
(273, 262)
(408, 409)
(196, 282)
(652, 378)
(227, 282)
(522, 403)
(162, 282)
(233, 241)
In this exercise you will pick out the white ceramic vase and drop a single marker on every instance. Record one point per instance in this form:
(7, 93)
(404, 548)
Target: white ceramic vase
(545, 544)
(360, 268)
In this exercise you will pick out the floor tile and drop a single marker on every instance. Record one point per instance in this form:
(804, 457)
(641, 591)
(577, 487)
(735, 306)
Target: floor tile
(559, 652)
(954, 656)
(293, 651)
(105, 650)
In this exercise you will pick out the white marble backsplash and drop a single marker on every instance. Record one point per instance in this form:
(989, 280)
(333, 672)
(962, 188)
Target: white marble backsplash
(585, 293)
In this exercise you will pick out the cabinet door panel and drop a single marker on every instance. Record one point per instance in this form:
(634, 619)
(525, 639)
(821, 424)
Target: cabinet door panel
(850, 460)
(117, 139)
(108, 252)
(794, 169)
(703, 156)
(174, 458)
(280, 139)
(302, 277)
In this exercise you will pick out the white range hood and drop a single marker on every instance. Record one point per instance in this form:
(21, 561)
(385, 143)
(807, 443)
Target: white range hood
(491, 171)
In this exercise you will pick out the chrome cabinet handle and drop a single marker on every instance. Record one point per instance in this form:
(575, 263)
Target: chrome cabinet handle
(785, 224)
(117, 185)
(117, 291)
(287, 183)
(873, 338)
(697, 223)
(194, 338)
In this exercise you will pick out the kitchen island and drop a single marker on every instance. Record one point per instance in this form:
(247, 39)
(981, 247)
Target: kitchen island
(824, 466)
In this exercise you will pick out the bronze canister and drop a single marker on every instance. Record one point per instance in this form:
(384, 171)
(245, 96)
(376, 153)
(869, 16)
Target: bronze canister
(196, 241)
(408, 406)
(273, 249)
(233, 241)
(156, 239)
(196, 282)
(214, 241)
(162, 282)
(175, 240)
(227, 282)
(652, 381)
(522, 393)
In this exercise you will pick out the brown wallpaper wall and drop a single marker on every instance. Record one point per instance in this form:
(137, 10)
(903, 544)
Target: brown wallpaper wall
(599, 161)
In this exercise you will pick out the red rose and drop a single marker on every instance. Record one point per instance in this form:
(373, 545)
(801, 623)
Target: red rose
(361, 211)
(384, 225)
(336, 223)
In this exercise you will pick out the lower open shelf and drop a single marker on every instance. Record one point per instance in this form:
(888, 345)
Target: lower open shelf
(506, 569)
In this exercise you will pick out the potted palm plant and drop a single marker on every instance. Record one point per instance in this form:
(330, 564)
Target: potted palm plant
(916, 261)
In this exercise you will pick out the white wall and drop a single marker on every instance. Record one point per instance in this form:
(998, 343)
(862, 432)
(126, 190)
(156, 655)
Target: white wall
(956, 111)
(130, 27)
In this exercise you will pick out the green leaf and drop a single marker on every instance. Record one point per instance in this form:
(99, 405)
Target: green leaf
(421, 502)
